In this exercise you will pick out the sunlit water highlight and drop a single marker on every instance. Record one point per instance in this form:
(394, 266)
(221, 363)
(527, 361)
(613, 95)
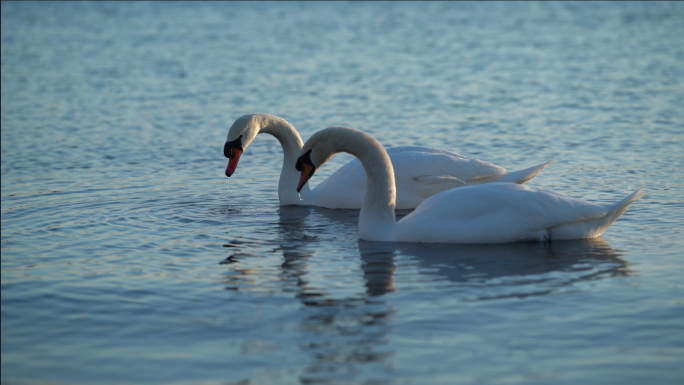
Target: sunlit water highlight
(127, 258)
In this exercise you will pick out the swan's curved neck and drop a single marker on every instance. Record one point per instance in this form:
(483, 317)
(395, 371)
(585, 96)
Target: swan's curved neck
(292, 144)
(377, 211)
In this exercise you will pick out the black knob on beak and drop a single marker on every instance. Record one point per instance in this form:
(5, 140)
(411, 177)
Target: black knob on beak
(228, 147)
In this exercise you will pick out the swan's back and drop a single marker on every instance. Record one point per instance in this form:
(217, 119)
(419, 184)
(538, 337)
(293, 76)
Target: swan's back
(495, 213)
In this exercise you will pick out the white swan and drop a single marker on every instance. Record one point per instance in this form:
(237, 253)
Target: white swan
(489, 213)
(421, 171)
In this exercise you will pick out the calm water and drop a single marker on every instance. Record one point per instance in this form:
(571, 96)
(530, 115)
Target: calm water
(128, 257)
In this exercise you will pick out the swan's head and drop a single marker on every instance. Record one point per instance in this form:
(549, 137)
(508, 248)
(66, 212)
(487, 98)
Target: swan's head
(240, 136)
(320, 147)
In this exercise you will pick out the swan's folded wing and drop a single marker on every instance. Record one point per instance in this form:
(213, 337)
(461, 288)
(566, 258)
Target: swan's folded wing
(411, 194)
(494, 212)
(429, 180)
(420, 175)
(414, 165)
(519, 177)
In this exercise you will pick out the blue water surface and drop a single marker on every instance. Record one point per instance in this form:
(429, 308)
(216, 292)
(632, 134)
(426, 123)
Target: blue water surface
(128, 257)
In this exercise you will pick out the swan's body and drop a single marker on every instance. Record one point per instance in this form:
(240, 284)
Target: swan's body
(420, 171)
(488, 213)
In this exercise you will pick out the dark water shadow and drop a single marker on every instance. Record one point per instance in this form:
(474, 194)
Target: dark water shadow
(529, 268)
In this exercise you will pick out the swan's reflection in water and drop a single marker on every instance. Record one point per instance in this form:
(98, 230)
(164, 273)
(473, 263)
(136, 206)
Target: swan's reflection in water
(339, 331)
(492, 271)
(339, 334)
(553, 264)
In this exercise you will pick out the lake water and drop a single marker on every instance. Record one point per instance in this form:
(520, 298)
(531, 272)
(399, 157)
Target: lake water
(128, 257)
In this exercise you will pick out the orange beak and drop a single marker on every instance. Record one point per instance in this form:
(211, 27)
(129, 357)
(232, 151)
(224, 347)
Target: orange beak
(233, 162)
(306, 174)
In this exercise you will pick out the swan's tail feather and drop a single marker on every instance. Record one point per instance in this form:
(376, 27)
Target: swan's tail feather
(620, 207)
(593, 228)
(518, 177)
